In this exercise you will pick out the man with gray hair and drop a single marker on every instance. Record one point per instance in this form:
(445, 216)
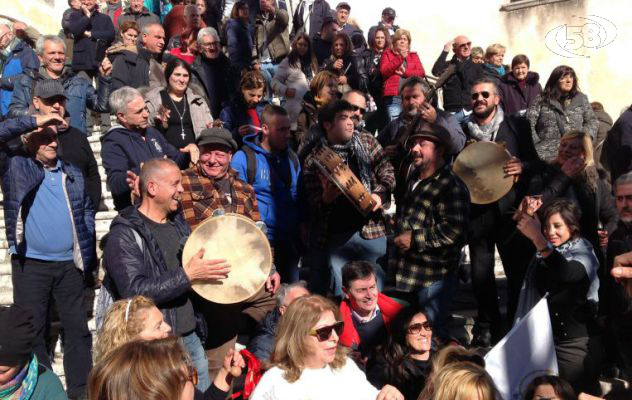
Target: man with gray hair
(80, 93)
(16, 57)
(262, 343)
(212, 71)
(131, 142)
(142, 68)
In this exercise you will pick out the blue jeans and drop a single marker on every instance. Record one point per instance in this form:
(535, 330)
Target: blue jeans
(194, 346)
(393, 106)
(349, 247)
(435, 300)
(462, 115)
(268, 69)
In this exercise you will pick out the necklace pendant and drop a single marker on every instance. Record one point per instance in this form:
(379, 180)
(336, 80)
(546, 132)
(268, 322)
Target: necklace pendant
(182, 134)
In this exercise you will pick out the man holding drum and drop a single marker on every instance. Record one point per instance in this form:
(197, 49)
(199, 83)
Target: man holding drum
(212, 185)
(339, 232)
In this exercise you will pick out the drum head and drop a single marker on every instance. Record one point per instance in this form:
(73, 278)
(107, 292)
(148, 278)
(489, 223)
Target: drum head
(480, 166)
(245, 247)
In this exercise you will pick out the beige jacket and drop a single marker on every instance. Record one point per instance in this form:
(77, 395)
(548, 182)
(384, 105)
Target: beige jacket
(200, 112)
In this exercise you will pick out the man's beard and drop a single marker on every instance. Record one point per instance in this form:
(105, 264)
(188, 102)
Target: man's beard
(485, 113)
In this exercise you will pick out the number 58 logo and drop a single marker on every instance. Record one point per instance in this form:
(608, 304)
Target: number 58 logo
(566, 40)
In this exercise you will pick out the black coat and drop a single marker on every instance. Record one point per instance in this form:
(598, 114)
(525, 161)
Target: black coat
(85, 49)
(131, 270)
(320, 11)
(616, 153)
(378, 374)
(218, 80)
(75, 149)
(131, 69)
(456, 91)
(513, 98)
(355, 71)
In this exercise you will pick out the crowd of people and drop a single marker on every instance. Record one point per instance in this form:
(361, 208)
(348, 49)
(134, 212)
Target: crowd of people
(227, 106)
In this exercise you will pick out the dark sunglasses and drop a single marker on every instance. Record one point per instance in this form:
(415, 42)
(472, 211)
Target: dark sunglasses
(414, 329)
(468, 44)
(324, 333)
(356, 108)
(485, 95)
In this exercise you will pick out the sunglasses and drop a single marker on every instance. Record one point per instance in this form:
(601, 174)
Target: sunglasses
(414, 329)
(485, 95)
(356, 108)
(324, 333)
(468, 44)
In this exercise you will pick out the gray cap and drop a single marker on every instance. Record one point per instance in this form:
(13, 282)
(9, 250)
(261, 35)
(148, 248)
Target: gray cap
(48, 88)
(216, 136)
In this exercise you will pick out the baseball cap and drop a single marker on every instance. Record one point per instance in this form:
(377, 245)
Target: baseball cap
(48, 88)
(216, 136)
(389, 12)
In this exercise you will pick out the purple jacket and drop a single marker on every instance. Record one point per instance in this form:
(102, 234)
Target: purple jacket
(513, 98)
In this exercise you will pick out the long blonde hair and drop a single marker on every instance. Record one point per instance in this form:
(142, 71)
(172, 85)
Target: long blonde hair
(122, 323)
(290, 348)
(148, 370)
(464, 381)
(587, 144)
(447, 356)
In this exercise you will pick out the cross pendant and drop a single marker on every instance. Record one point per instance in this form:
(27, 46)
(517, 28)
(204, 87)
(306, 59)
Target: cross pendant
(182, 134)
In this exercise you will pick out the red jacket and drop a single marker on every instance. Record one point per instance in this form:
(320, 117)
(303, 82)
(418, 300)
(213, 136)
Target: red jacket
(389, 63)
(388, 308)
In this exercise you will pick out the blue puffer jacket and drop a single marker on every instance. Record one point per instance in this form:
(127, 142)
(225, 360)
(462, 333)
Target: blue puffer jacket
(21, 177)
(279, 205)
(21, 59)
(79, 91)
(132, 270)
(235, 114)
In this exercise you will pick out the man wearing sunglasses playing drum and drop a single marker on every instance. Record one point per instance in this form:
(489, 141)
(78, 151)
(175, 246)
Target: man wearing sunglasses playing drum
(491, 224)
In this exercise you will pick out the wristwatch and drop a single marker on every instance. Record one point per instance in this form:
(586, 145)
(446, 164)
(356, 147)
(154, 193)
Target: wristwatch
(548, 246)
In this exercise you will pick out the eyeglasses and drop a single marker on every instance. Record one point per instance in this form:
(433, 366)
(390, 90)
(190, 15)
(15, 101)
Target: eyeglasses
(356, 108)
(415, 329)
(484, 93)
(209, 44)
(468, 44)
(324, 333)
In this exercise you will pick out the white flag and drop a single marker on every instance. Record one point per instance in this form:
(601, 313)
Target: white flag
(526, 352)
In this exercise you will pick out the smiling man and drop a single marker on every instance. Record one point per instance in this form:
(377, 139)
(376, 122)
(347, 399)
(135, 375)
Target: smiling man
(213, 185)
(365, 311)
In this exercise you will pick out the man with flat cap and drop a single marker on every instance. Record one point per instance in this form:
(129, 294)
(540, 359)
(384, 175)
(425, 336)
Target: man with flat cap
(21, 374)
(387, 21)
(212, 185)
(431, 226)
(343, 10)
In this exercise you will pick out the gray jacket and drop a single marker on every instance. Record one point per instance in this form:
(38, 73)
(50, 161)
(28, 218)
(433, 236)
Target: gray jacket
(549, 121)
(272, 32)
(200, 113)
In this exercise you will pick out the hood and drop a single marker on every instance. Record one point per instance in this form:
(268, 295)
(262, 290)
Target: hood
(118, 130)
(603, 116)
(253, 142)
(532, 78)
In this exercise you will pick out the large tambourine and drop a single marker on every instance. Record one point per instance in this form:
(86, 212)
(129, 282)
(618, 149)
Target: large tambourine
(244, 246)
(480, 167)
(332, 166)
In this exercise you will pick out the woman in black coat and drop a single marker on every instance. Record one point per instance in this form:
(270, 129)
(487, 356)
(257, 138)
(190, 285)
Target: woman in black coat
(346, 65)
(378, 42)
(239, 34)
(520, 87)
(404, 361)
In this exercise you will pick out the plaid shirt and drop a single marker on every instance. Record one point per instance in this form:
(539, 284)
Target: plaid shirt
(201, 197)
(382, 184)
(437, 212)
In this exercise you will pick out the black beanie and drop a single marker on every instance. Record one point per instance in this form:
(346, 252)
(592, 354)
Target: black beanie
(17, 334)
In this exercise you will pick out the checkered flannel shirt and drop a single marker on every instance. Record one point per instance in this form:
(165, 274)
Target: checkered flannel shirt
(201, 197)
(382, 183)
(437, 212)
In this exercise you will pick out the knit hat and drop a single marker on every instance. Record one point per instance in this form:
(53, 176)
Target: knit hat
(17, 335)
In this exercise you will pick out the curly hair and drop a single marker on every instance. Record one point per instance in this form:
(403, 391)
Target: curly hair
(116, 329)
(290, 347)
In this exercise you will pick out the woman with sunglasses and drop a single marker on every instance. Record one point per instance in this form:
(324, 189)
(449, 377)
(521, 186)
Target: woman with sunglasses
(308, 362)
(561, 108)
(565, 267)
(138, 319)
(404, 361)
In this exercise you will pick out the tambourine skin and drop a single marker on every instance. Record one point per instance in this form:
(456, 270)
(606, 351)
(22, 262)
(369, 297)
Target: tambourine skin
(332, 166)
(480, 167)
(243, 245)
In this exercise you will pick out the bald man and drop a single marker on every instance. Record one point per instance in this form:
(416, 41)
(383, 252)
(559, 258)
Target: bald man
(141, 256)
(456, 91)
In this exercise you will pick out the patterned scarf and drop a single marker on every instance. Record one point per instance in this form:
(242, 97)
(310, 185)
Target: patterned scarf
(21, 387)
(486, 133)
(350, 149)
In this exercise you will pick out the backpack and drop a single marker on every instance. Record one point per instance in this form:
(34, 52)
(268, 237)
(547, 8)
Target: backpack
(251, 164)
